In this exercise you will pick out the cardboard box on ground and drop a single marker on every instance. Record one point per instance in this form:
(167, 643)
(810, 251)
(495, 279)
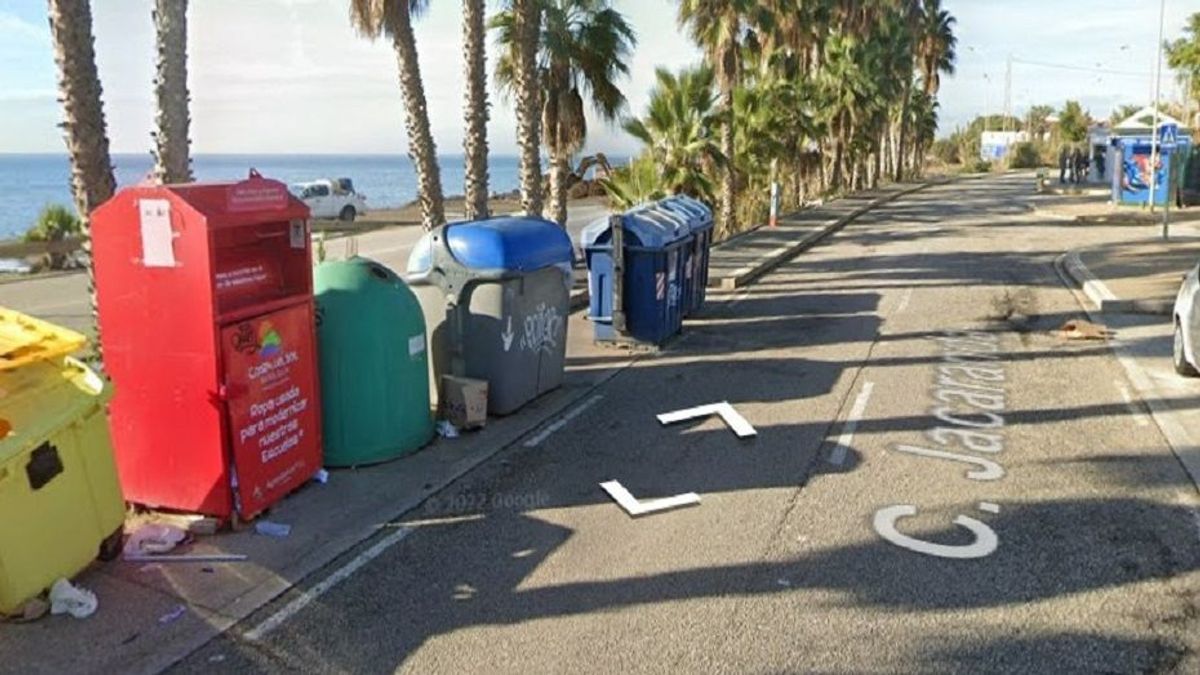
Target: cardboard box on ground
(463, 401)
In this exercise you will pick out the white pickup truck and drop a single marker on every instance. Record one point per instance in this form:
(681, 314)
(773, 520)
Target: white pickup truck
(331, 198)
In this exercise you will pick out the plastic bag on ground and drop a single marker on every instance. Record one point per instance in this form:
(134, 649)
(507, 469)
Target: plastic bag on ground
(153, 538)
(67, 599)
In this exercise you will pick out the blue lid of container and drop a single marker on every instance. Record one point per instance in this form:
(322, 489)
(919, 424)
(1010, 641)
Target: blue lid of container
(673, 220)
(642, 228)
(699, 215)
(504, 243)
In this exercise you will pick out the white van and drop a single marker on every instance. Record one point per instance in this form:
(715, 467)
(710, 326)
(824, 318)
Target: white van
(331, 198)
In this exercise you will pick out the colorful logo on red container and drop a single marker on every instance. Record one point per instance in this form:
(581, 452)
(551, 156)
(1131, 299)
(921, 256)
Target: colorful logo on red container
(269, 342)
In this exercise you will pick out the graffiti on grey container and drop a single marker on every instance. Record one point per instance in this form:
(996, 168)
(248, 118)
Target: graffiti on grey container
(543, 328)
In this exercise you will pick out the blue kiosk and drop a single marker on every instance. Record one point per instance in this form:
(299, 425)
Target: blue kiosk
(1134, 162)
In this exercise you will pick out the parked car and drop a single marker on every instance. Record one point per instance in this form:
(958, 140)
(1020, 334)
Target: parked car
(1187, 325)
(331, 198)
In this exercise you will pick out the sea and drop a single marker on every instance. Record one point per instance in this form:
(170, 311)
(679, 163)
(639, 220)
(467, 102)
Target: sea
(30, 182)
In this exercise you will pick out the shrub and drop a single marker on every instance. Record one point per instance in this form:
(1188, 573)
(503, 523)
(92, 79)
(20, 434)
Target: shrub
(946, 150)
(1024, 156)
(55, 223)
(981, 166)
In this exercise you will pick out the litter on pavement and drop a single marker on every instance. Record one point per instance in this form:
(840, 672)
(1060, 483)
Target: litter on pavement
(153, 538)
(321, 476)
(1078, 329)
(272, 529)
(74, 600)
(173, 615)
(446, 430)
(188, 557)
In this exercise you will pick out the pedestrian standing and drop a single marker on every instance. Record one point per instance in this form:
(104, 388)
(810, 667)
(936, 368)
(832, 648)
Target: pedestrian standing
(1081, 166)
(1063, 157)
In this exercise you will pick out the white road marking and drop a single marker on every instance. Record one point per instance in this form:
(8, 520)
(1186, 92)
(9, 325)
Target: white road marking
(837, 456)
(1129, 403)
(904, 300)
(637, 508)
(732, 418)
(989, 507)
(305, 599)
(562, 421)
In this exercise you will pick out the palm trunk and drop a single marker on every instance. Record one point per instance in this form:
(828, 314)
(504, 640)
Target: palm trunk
(84, 129)
(902, 143)
(556, 143)
(421, 147)
(475, 144)
(527, 14)
(172, 162)
(728, 182)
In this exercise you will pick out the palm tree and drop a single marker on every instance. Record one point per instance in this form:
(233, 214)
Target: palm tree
(518, 29)
(935, 46)
(172, 163)
(475, 147)
(718, 27)
(393, 18)
(679, 130)
(84, 130)
(582, 48)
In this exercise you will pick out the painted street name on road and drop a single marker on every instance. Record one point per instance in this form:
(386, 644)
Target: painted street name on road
(970, 402)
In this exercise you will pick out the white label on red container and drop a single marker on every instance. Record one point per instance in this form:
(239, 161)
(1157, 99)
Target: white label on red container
(158, 241)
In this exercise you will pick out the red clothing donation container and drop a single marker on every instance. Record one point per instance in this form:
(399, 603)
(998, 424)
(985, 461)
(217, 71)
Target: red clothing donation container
(206, 320)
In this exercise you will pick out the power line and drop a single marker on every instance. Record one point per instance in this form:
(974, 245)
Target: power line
(1063, 66)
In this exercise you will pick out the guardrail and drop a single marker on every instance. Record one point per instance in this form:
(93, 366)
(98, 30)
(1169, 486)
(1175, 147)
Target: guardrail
(24, 249)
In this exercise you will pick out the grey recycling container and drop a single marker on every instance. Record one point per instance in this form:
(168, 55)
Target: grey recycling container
(496, 297)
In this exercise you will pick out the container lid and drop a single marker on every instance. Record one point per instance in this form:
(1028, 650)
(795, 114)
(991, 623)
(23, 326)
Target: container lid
(24, 340)
(509, 243)
(645, 226)
(679, 223)
(699, 215)
(37, 400)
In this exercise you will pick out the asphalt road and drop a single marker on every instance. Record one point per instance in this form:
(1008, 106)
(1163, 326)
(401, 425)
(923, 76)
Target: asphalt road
(855, 533)
(63, 299)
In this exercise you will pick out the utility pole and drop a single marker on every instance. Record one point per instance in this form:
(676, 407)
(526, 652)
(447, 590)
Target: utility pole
(1008, 92)
(1154, 155)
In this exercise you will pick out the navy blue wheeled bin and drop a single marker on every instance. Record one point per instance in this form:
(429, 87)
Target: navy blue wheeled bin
(700, 223)
(650, 309)
(679, 263)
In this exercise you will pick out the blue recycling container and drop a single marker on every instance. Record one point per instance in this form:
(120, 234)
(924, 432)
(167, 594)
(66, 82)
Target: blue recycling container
(700, 223)
(679, 263)
(652, 283)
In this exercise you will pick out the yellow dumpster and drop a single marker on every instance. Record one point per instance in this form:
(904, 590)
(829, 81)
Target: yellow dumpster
(60, 499)
(24, 340)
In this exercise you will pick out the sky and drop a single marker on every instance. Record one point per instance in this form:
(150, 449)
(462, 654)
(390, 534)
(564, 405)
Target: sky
(291, 76)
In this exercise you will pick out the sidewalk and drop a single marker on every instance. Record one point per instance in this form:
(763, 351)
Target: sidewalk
(1139, 276)
(1095, 207)
(1130, 287)
(747, 256)
(152, 615)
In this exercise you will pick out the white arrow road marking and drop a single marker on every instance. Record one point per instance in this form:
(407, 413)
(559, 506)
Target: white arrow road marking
(636, 508)
(837, 456)
(507, 335)
(732, 418)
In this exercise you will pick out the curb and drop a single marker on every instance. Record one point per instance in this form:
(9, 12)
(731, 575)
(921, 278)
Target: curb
(1185, 449)
(1103, 298)
(741, 277)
